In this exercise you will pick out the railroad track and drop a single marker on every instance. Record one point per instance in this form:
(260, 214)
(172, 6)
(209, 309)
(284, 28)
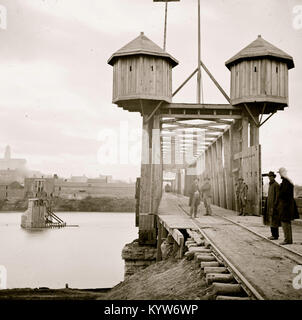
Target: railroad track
(299, 255)
(223, 275)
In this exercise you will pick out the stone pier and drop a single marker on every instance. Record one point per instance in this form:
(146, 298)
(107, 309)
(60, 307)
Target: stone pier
(137, 257)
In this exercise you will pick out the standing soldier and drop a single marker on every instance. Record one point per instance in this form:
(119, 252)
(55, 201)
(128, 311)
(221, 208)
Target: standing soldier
(270, 216)
(206, 196)
(194, 200)
(287, 207)
(241, 196)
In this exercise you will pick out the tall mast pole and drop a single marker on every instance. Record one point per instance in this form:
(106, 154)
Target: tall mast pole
(199, 59)
(165, 27)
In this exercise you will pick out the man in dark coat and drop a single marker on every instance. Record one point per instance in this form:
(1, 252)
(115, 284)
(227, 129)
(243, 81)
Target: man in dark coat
(206, 196)
(194, 200)
(287, 207)
(241, 196)
(270, 215)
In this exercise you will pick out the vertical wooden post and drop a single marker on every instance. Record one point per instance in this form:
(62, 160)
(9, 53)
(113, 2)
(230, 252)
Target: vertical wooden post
(254, 132)
(165, 28)
(146, 167)
(151, 180)
(228, 168)
(211, 172)
(178, 181)
(236, 148)
(244, 135)
(137, 199)
(156, 180)
(214, 172)
(173, 150)
(255, 167)
(245, 169)
(159, 240)
(220, 175)
(199, 58)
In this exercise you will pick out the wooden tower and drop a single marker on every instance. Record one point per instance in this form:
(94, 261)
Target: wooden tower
(142, 75)
(259, 75)
(142, 81)
(259, 85)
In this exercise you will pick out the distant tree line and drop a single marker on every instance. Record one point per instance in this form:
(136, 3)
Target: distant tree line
(89, 204)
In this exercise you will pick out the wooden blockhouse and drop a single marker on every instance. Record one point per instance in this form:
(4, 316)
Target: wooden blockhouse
(142, 75)
(259, 74)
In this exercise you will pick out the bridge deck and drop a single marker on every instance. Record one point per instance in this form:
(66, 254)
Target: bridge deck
(267, 266)
(173, 208)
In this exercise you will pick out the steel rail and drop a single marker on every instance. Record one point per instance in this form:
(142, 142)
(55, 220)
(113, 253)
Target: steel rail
(263, 237)
(247, 286)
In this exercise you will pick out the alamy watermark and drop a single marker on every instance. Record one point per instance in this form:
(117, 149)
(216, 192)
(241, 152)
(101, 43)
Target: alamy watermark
(124, 145)
(3, 278)
(297, 19)
(3, 17)
(297, 281)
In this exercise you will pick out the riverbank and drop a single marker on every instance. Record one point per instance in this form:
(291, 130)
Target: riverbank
(101, 204)
(170, 279)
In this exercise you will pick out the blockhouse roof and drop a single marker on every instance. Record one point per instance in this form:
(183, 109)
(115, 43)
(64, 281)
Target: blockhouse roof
(261, 48)
(142, 45)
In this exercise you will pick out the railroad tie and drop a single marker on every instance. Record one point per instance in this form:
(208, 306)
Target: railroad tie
(222, 283)
(190, 240)
(215, 270)
(219, 288)
(232, 298)
(209, 264)
(202, 257)
(219, 277)
(199, 249)
(200, 243)
(191, 244)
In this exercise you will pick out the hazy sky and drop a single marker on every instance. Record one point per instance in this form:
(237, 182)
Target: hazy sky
(56, 85)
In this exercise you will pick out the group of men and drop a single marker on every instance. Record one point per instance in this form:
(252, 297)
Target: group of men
(197, 193)
(204, 192)
(280, 208)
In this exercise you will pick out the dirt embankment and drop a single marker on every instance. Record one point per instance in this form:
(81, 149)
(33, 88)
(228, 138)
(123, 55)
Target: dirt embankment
(166, 280)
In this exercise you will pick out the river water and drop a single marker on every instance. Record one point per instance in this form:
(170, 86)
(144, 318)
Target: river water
(88, 256)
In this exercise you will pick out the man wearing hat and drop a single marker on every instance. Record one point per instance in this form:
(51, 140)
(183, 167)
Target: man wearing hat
(270, 214)
(194, 199)
(206, 196)
(287, 207)
(241, 196)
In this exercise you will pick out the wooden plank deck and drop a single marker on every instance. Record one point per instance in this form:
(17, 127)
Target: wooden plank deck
(171, 214)
(268, 267)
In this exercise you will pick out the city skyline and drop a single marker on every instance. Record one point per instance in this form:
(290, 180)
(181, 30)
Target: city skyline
(56, 86)
(10, 163)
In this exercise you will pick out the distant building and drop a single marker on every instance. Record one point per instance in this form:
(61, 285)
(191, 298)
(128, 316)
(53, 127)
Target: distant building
(36, 187)
(11, 169)
(11, 191)
(34, 174)
(106, 177)
(8, 163)
(73, 189)
(82, 178)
